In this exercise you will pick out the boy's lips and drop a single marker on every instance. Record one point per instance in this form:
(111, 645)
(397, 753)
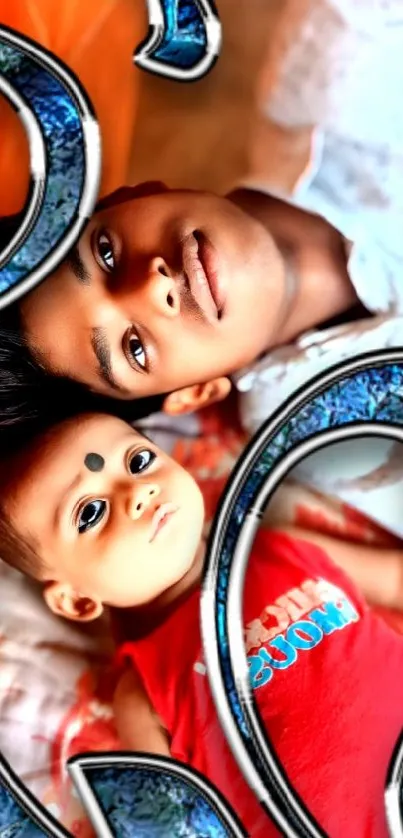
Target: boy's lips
(199, 259)
(160, 518)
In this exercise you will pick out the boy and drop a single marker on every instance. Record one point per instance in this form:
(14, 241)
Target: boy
(100, 516)
(174, 292)
(169, 289)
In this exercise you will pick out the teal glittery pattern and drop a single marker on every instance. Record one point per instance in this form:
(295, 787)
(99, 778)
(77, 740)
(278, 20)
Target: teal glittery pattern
(14, 822)
(146, 803)
(184, 42)
(59, 119)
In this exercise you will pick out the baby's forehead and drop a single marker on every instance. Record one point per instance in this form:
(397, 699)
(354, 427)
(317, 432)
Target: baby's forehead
(61, 446)
(97, 425)
(101, 426)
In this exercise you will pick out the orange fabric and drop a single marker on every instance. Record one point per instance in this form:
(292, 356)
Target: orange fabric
(96, 39)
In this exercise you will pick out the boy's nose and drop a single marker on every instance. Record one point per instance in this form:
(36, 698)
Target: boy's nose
(163, 289)
(139, 499)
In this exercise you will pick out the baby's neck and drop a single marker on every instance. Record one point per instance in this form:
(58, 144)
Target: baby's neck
(132, 623)
(187, 584)
(315, 264)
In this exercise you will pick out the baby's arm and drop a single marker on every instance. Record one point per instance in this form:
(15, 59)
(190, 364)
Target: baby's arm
(138, 726)
(376, 571)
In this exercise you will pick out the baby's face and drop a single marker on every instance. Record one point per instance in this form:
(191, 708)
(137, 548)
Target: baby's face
(114, 516)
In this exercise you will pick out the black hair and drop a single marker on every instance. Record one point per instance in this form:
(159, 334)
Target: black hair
(31, 398)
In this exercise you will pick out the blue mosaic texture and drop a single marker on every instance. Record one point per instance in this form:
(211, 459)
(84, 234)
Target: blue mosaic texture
(14, 822)
(147, 803)
(59, 118)
(185, 41)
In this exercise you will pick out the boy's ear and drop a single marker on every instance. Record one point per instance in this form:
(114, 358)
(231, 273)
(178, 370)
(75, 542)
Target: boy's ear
(199, 395)
(64, 601)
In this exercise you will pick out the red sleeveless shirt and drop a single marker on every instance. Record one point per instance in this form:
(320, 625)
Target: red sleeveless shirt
(328, 679)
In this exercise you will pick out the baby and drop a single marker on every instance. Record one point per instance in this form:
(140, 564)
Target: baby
(100, 516)
(177, 294)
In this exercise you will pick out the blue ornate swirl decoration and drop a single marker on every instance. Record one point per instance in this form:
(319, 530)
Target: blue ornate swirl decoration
(144, 795)
(183, 41)
(357, 398)
(65, 155)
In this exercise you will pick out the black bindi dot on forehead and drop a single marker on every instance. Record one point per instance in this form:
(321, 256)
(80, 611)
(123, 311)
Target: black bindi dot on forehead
(94, 462)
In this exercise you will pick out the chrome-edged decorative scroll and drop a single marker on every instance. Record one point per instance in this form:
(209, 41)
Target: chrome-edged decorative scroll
(150, 795)
(65, 161)
(21, 814)
(364, 396)
(183, 41)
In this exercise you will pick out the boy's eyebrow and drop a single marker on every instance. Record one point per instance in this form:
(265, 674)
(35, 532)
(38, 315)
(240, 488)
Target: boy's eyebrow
(102, 352)
(76, 264)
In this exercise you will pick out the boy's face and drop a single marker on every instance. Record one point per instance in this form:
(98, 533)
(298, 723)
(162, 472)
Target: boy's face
(168, 290)
(116, 520)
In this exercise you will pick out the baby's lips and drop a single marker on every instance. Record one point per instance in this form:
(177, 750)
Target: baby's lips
(160, 517)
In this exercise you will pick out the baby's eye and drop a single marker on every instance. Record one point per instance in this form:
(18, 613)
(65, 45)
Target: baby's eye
(137, 351)
(105, 251)
(141, 460)
(90, 515)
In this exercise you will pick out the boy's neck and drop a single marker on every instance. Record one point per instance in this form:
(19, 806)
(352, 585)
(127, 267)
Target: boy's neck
(318, 285)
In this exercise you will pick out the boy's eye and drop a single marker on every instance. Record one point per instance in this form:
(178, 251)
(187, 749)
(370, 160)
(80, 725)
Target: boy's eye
(105, 251)
(136, 350)
(141, 460)
(90, 515)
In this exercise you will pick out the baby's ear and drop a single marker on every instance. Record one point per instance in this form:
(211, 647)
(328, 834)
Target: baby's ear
(199, 395)
(64, 601)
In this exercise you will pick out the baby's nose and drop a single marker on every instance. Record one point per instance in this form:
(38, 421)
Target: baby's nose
(140, 499)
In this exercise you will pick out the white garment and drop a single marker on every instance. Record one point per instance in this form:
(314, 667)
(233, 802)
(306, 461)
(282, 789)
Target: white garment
(268, 383)
(331, 142)
(334, 72)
